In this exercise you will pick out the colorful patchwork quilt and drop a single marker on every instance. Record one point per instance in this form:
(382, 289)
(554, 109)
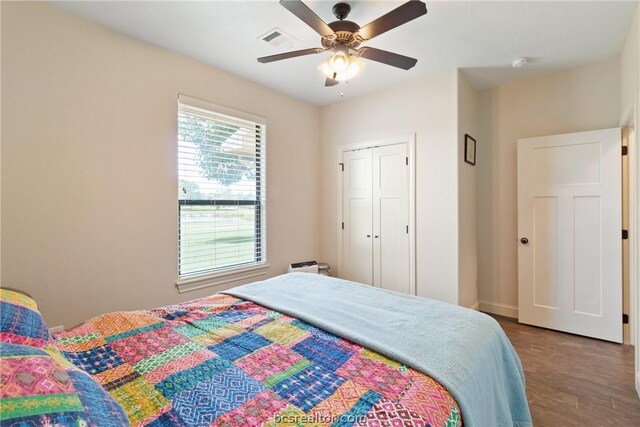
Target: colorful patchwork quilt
(223, 361)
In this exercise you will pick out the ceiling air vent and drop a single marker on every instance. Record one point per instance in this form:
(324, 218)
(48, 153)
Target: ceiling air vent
(278, 39)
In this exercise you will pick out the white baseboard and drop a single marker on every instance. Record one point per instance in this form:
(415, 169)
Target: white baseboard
(499, 309)
(475, 306)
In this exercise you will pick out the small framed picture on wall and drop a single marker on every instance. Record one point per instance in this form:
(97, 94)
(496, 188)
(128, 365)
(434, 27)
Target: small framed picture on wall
(469, 149)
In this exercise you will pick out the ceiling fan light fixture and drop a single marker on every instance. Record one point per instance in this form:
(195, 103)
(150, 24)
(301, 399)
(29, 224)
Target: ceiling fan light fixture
(346, 70)
(339, 62)
(356, 65)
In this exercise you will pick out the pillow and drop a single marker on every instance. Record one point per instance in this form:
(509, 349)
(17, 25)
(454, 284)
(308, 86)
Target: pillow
(39, 387)
(20, 320)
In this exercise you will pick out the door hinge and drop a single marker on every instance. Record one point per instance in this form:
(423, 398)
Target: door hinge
(341, 166)
(406, 161)
(343, 225)
(625, 318)
(625, 150)
(625, 234)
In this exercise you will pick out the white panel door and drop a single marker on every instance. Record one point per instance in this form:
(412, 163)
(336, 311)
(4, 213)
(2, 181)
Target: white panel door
(569, 225)
(357, 247)
(391, 218)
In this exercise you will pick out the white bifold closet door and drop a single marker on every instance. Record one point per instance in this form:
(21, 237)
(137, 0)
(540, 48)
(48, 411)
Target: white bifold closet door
(375, 209)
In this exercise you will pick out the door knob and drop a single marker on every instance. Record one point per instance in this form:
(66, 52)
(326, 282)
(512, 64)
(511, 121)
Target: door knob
(376, 236)
(368, 235)
(524, 240)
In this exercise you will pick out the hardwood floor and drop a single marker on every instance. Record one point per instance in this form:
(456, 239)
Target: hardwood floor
(573, 380)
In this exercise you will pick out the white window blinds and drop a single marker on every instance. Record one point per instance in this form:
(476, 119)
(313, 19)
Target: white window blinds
(221, 190)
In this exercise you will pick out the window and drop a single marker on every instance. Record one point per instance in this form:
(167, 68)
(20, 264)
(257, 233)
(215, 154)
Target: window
(221, 192)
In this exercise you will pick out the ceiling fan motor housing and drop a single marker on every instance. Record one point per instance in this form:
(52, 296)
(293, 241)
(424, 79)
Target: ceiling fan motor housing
(345, 32)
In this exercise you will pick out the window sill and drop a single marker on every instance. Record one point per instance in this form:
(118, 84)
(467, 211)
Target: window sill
(221, 278)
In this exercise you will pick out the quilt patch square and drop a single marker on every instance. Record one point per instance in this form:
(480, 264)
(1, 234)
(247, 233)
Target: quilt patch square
(23, 376)
(81, 343)
(210, 338)
(388, 413)
(140, 400)
(309, 387)
(253, 413)
(22, 321)
(95, 360)
(283, 333)
(268, 361)
(324, 353)
(376, 376)
(188, 378)
(429, 399)
(120, 323)
(142, 345)
(240, 345)
(340, 402)
(254, 322)
(234, 315)
(172, 353)
(174, 366)
(210, 323)
(201, 404)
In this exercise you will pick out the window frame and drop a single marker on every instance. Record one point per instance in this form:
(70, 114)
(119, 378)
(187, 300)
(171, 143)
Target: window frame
(223, 275)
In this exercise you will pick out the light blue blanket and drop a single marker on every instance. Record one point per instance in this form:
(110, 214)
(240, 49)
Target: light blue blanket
(464, 350)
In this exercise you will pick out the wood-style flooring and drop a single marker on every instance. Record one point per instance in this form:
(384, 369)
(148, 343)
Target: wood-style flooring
(573, 380)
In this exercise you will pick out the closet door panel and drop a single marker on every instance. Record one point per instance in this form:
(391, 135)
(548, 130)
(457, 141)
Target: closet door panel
(391, 218)
(357, 250)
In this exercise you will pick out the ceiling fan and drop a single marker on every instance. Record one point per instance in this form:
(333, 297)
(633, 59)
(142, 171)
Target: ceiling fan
(345, 37)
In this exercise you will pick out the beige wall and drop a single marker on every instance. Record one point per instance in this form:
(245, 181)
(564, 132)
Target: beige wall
(468, 99)
(629, 70)
(428, 107)
(89, 181)
(573, 100)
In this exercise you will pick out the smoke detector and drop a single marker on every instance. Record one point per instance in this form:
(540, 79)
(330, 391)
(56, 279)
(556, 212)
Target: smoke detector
(520, 62)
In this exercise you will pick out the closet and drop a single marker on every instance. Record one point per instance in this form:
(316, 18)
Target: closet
(375, 225)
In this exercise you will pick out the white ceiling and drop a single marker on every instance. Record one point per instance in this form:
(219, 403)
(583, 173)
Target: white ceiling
(480, 37)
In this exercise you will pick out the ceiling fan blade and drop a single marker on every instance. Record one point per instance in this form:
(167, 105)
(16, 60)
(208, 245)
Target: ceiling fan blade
(305, 14)
(389, 58)
(292, 54)
(330, 82)
(398, 16)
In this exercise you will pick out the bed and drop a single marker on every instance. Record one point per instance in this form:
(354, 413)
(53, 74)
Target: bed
(297, 349)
